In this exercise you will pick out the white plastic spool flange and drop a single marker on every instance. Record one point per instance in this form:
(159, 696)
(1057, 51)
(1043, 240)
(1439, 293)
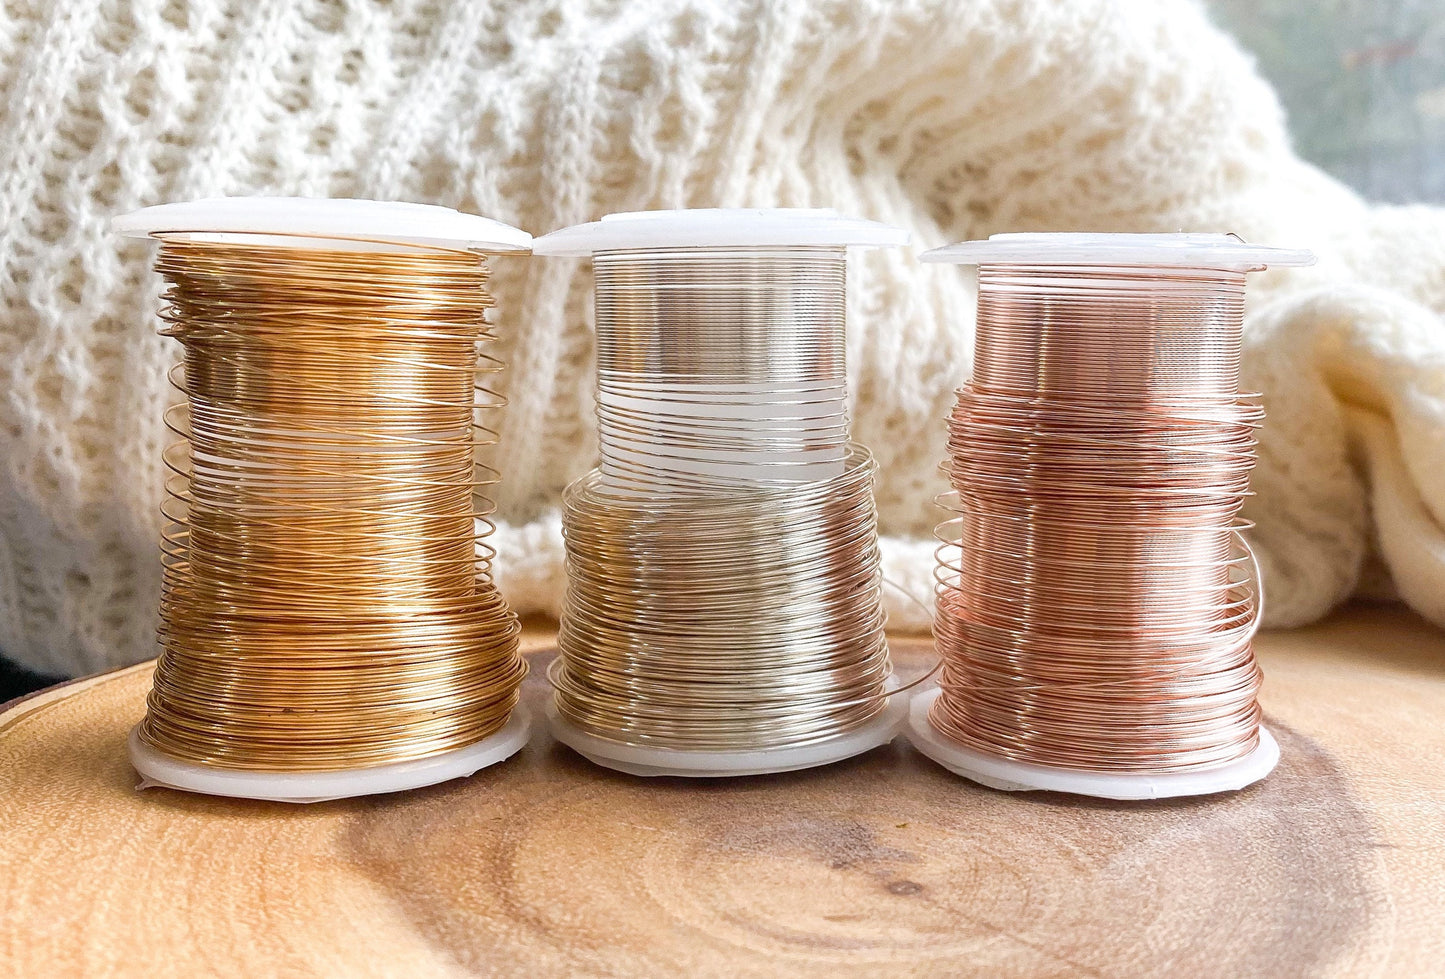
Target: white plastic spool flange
(1016, 776)
(360, 225)
(158, 769)
(650, 761)
(300, 222)
(1204, 251)
(719, 227)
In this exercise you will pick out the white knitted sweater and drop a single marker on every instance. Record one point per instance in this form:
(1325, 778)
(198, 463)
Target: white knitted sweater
(956, 120)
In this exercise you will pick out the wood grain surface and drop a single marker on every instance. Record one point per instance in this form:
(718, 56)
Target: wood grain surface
(885, 865)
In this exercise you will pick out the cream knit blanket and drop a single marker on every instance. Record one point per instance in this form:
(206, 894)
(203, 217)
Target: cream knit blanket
(955, 120)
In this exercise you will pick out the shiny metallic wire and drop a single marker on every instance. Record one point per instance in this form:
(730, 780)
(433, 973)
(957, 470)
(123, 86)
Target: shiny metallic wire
(719, 367)
(1094, 607)
(324, 606)
(724, 587)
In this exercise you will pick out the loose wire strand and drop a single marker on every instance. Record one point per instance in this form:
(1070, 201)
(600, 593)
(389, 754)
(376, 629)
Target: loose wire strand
(1093, 610)
(325, 602)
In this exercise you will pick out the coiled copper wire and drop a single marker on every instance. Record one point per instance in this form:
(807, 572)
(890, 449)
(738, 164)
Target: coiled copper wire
(324, 606)
(724, 585)
(1092, 608)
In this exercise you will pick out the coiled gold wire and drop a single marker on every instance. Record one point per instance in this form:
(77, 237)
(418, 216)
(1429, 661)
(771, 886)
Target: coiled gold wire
(1092, 612)
(724, 586)
(324, 603)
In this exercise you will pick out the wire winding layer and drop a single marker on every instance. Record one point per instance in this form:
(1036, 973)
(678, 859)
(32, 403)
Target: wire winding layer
(1093, 608)
(324, 603)
(724, 586)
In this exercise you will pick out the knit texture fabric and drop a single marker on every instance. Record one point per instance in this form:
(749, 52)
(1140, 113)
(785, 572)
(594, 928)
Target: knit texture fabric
(954, 120)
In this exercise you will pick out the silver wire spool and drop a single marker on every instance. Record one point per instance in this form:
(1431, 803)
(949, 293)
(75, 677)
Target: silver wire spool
(724, 611)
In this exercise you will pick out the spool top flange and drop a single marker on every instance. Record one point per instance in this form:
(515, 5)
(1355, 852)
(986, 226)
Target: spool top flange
(1212, 251)
(719, 227)
(300, 222)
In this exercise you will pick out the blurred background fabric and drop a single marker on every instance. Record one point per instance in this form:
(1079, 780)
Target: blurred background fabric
(954, 120)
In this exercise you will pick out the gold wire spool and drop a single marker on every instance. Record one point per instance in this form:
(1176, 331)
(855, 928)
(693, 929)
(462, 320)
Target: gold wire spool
(325, 606)
(724, 587)
(1092, 611)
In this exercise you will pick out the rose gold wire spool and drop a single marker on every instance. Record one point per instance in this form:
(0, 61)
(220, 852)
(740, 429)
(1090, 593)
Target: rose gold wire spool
(329, 627)
(724, 612)
(1095, 602)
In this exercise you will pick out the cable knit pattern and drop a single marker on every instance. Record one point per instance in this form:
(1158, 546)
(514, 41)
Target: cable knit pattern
(955, 120)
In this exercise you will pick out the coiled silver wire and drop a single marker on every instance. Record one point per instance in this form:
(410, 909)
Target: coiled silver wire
(721, 367)
(724, 586)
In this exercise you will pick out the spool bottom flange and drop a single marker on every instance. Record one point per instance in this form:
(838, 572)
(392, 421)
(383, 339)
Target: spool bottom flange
(1016, 776)
(649, 761)
(159, 770)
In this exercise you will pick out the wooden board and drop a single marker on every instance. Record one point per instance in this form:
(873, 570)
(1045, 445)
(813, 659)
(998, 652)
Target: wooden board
(883, 865)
